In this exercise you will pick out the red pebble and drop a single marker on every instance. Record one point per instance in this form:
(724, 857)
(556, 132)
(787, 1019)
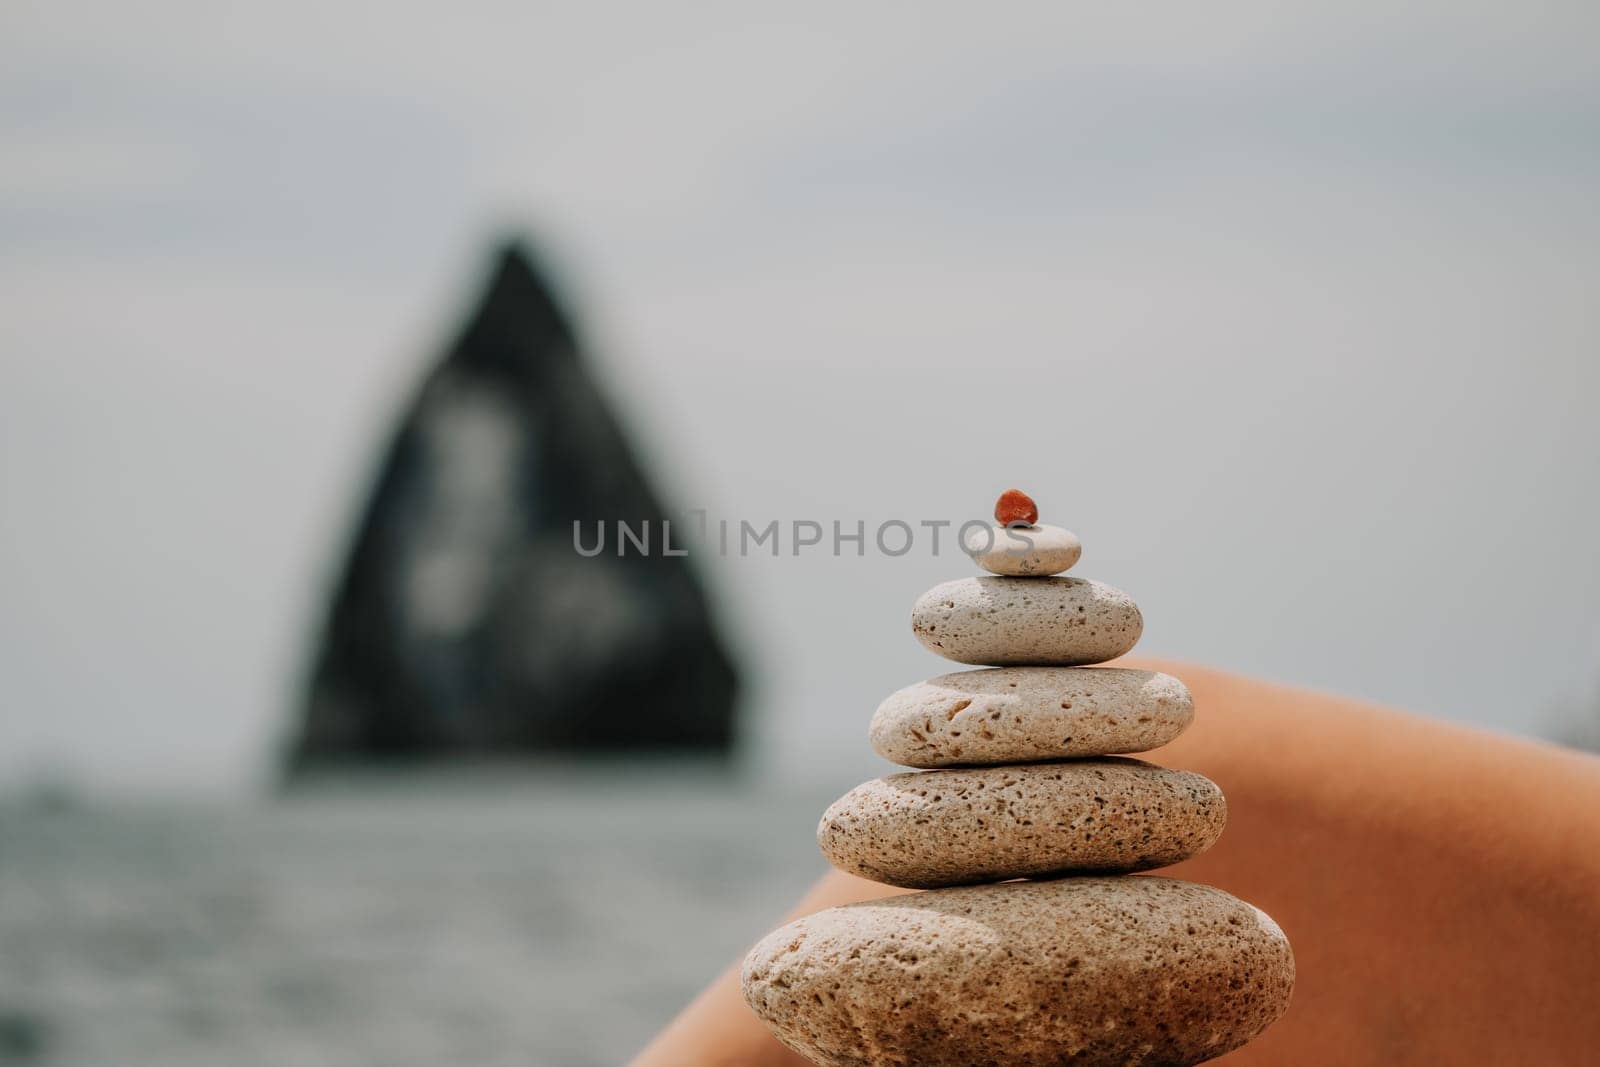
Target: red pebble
(1015, 506)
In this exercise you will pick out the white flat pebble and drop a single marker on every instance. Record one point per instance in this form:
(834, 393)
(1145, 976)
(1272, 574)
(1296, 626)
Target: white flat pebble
(1023, 551)
(1040, 622)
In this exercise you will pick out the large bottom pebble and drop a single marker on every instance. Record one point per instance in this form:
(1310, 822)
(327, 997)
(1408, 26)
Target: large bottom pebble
(1084, 971)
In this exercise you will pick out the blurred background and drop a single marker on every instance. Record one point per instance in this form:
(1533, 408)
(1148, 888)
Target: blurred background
(1289, 314)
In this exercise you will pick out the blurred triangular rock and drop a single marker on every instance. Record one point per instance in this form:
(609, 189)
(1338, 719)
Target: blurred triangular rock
(465, 622)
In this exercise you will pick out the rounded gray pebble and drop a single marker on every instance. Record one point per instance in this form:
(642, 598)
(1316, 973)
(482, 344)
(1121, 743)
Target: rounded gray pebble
(1046, 622)
(925, 829)
(1024, 714)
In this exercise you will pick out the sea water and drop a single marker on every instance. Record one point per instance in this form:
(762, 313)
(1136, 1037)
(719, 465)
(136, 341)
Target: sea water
(544, 916)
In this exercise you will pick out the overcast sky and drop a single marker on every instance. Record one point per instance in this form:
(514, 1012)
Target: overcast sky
(1291, 316)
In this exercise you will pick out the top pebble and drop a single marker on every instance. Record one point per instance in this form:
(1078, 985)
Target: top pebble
(1014, 507)
(1020, 547)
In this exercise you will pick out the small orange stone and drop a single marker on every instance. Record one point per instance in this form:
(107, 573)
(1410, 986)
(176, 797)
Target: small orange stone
(1015, 506)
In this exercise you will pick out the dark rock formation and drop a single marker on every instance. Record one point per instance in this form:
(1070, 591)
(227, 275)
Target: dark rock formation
(466, 623)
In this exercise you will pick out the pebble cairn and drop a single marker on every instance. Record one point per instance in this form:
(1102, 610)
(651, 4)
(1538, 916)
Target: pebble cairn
(1032, 945)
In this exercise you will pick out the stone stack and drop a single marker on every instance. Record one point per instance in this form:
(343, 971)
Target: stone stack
(1078, 964)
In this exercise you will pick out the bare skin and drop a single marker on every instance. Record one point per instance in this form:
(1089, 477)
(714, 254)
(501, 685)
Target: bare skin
(1440, 885)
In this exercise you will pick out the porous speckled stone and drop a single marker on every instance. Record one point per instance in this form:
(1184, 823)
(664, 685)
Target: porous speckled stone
(1024, 714)
(1086, 971)
(1044, 622)
(925, 829)
(1022, 551)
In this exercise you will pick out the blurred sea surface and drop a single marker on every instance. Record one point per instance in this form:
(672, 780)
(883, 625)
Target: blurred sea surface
(546, 916)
